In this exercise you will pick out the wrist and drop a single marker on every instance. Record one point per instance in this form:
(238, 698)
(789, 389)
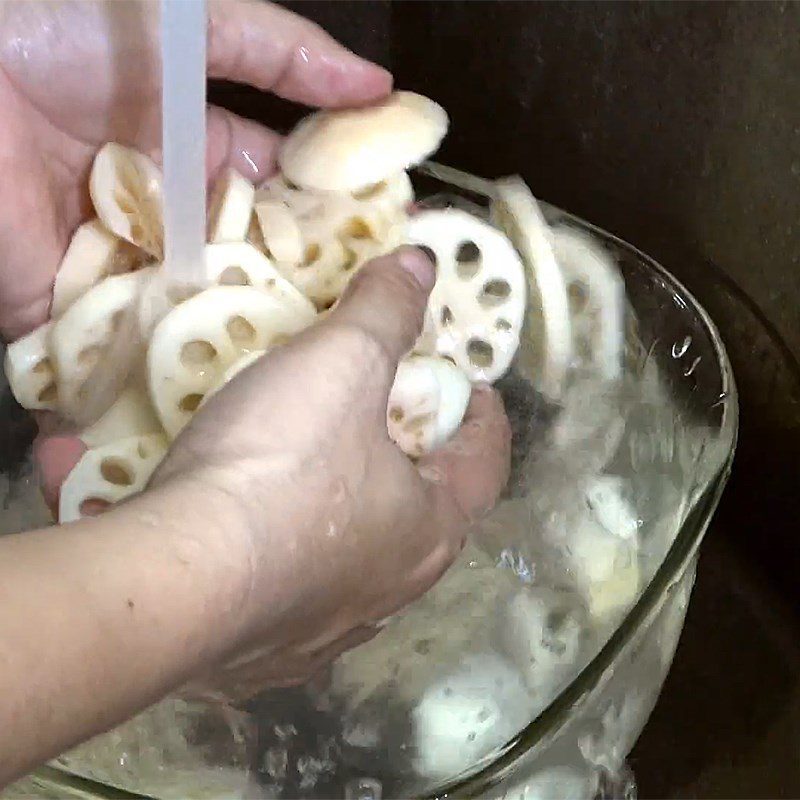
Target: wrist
(206, 537)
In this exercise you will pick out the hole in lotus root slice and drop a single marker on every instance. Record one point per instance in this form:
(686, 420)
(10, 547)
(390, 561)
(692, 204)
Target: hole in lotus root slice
(117, 471)
(233, 276)
(370, 192)
(480, 353)
(191, 402)
(198, 353)
(478, 271)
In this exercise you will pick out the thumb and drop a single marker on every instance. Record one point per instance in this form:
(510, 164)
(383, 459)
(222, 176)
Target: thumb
(387, 300)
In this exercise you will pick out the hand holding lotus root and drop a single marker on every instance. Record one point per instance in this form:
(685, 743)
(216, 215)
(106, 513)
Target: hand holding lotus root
(129, 361)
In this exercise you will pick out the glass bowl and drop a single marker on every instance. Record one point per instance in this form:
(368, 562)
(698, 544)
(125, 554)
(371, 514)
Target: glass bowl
(678, 414)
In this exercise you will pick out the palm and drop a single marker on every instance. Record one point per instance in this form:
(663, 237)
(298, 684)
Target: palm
(62, 99)
(74, 75)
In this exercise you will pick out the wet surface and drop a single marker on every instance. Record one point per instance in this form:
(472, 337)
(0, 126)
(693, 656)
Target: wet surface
(674, 125)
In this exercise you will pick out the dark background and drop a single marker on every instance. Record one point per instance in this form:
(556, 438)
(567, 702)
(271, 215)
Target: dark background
(677, 127)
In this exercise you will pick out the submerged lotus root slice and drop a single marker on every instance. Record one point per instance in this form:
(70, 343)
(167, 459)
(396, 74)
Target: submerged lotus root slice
(125, 187)
(30, 371)
(200, 339)
(93, 253)
(351, 149)
(86, 336)
(476, 309)
(231, 208)
(596, 296)
(605, 496)
(131, 415)
(517, 212)
(110, 473)
(427, 403)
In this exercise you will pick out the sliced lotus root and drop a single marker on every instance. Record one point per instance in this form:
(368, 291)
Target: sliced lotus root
(370, 212)
(605, 496)
(93, 253)
(605, 567)
(125, 187)
(238, 366)
(517, 212)
(329, 266)
(280, 231)
(226, 263)
(427, 403)
(108, 474)
(30, 371)
(231, 208)
(92, 345)
(476, 309)
(334, 233)
(346, 150)
(241, 264)
(131, 415)
(596, 295)
(200, 339)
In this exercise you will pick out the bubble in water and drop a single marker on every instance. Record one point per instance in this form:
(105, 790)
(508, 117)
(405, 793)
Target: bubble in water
(514, 560)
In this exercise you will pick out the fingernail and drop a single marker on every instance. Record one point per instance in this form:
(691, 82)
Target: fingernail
(415, 261)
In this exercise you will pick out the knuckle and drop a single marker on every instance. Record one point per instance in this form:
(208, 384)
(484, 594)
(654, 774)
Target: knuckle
(361, 346)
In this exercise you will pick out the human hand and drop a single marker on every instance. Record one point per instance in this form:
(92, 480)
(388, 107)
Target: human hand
(337, 528)
(74, 75)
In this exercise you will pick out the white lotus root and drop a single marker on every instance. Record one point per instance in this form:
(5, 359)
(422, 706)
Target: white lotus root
(202, 337)
(88, 341)
(427, 403)
(30, 371)
(280, 231)
(320, 239)
(110, 473)
(131, 415)
(226, 263)
(605, 496)
(231, 208)
(354, 148)
(518, 213)
(605, 567)
(596, 296)
(476, 309)
(241, 364)
(241, 264)
(125, 187)
(93, 253)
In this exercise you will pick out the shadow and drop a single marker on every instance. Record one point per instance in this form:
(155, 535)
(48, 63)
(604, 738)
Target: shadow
(735, 678)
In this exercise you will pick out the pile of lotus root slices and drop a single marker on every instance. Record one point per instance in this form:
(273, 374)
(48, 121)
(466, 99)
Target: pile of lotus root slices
(127, 360)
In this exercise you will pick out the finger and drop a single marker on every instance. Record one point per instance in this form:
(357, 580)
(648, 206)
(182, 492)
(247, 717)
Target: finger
(249, 148)
(233, 141)
(387, 299)
(275, 50)
(472, 468)
(55, 457)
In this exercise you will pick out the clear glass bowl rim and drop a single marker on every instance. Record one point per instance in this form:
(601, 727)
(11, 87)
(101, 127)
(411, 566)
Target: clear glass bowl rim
(547, 725)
